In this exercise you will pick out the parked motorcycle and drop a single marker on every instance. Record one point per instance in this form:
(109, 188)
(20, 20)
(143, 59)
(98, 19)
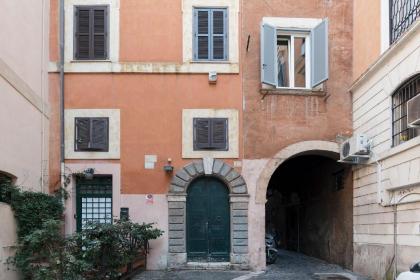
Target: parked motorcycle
(271, 251)
(413, 274)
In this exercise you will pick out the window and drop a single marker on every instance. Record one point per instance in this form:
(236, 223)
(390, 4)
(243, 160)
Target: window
(94, 200)
(400, 130)
(5, 182)
(403, 13)
(211, 134)
(294, 58)
(91, 134)
(210, 34)
(91, 33)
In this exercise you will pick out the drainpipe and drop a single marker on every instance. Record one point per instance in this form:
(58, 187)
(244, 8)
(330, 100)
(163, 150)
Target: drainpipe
(61, 67)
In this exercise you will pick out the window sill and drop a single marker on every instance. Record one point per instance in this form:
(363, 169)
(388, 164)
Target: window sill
(211, 62)
(292, 91)
(91, 61)
(400, 148)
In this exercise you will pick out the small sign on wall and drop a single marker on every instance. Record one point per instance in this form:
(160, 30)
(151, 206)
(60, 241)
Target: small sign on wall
(149, 161)
(149, 198)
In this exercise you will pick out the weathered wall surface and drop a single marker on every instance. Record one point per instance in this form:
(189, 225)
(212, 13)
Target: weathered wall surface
(274, 121)
(24, 109)
(375, 193)
(366, 34)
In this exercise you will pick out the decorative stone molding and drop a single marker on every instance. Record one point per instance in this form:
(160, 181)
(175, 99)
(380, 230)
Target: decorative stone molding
(177, 198)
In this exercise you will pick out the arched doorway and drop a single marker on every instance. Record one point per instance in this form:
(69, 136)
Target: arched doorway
(226, 186)
(309, 207)
(208, 220)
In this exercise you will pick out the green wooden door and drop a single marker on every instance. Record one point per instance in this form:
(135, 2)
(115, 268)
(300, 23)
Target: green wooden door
(208, 221)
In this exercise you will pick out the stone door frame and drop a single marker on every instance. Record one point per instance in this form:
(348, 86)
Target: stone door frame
(177, 198)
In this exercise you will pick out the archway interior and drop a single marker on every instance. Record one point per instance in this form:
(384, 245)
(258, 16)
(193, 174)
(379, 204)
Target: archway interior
(309, 208)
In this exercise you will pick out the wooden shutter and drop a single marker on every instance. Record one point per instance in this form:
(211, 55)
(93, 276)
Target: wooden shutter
(82, 35)
(99, 33)
(82, 134)
(269, 60)
(202, 30)
(219, 134)
(91, 32)
(202, 134)
(319, 53)
(99, 134)
(219, 34)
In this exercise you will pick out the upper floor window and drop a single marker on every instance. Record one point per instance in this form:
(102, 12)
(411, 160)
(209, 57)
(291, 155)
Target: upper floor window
(294, 58)
(91, 134)
(211, 134)
(403, 13)
(5, 182)
(210, 34)
(91, 33)
(400, 130)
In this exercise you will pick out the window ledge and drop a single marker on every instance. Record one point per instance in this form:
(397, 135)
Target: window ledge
(211, 62)
(292, 91)
(400, 148)
(91, 61)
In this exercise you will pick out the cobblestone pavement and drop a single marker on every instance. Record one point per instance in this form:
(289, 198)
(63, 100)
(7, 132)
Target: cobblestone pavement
(289, 266)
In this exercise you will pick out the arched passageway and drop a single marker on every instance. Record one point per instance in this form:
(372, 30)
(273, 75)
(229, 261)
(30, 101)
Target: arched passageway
(309, 207)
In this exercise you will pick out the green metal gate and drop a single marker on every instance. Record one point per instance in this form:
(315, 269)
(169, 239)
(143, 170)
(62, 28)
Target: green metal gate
(208, 221)
(94, 200)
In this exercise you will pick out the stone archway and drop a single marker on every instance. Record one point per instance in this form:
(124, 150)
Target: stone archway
(239, 199)
(326, 148)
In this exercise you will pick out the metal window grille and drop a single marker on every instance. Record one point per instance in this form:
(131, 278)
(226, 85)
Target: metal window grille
(402, 14)
(400, 130)
(94, 201)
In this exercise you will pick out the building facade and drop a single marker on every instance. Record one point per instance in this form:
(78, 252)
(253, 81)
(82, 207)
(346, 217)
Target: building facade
(153, 107)
(296, 68)
(24, 108)
(386, 189)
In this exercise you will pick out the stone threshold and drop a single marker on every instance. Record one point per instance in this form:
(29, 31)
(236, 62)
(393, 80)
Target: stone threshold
(219, 266)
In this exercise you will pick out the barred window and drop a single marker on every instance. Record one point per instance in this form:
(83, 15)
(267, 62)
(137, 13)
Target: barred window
(403, 13)
(400, 130)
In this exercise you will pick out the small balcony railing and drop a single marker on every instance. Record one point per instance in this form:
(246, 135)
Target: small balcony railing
(402, 14)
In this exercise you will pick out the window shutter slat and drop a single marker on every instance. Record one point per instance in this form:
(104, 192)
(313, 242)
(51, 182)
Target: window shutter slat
(202, 36)
(99, 134)
(82, 136)
(269, 55)
(218, 33)
(219, 134)
(201, 133)
(319, 53)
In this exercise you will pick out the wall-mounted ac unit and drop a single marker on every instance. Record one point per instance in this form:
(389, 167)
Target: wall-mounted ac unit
(355, 149)
(413, 111)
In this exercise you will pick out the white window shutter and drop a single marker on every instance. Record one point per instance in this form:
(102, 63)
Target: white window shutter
(319, 53)
(269, 55)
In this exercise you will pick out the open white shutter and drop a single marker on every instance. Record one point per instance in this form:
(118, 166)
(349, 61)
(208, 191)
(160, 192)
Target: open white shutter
(268, 55)
(319, 53)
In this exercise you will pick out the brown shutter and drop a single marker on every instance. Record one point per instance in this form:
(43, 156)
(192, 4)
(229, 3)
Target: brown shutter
(82, 35)
(201, 134)
(219, 138)
(99, 134)
(82, 135)
(99, 33)
(91, 32)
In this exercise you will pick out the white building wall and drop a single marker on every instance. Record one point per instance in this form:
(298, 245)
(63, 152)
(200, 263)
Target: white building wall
(392, 172)
(24, 117)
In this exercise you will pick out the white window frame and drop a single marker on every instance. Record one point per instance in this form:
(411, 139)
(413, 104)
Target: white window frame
(291, 43)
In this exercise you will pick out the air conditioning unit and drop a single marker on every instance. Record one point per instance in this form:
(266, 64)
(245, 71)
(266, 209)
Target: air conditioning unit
(355, 149)
(413, 111)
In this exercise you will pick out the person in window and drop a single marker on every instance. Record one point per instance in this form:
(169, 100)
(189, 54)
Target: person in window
(282, 70)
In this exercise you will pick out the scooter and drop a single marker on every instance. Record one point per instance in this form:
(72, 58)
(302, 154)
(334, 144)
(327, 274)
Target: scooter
(270, 249)
(413, 274)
